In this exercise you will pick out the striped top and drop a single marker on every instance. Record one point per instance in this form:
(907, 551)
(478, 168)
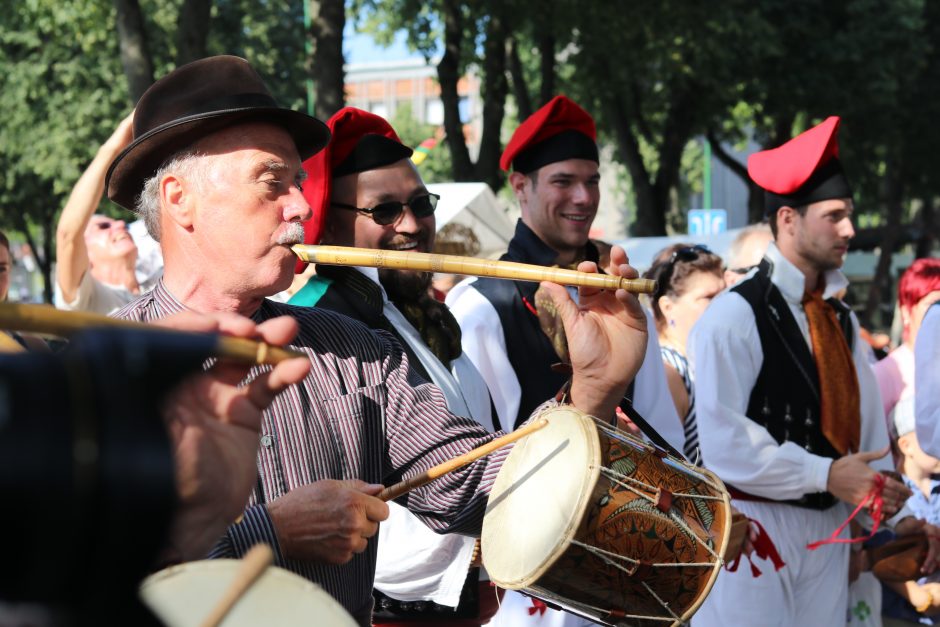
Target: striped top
(677, 360)
(361, 413)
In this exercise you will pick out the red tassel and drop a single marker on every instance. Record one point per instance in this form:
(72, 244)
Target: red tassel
(537, 606)
(875, 502)
(764, 548)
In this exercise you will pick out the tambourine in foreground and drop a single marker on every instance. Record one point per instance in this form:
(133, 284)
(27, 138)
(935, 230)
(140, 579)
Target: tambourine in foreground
(592, 520)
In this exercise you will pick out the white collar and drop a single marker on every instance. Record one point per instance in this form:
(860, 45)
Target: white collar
(792, 283)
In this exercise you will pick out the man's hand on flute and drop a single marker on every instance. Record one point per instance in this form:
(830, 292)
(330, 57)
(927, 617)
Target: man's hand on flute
(607, 335)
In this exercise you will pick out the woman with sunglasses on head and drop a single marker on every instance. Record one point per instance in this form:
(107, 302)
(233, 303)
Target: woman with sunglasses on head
(687, 277)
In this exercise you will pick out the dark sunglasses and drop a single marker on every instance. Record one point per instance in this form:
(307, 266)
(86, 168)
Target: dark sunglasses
(386, 213)
(688, 253)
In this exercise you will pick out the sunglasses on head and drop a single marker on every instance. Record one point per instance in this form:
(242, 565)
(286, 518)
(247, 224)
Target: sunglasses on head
(386, 213)
(687, 253)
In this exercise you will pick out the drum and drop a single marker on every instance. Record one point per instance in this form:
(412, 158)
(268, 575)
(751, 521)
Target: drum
(588, 518)
(182, 596)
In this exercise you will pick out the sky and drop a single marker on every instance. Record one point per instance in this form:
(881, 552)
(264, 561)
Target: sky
(360, 48)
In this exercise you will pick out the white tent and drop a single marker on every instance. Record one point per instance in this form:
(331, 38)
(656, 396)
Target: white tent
(475, 206)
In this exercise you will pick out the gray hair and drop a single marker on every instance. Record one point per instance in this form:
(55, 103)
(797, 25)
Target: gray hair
(187, 163)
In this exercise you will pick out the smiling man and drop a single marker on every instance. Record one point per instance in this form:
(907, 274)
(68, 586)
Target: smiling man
(371, 196)
(554, 160)
(789, 414)
(95, 253)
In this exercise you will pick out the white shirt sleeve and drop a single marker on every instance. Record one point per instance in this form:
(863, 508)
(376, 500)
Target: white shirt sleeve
(651, 396)
(484, 343)
(726, 354)
(927, 382)
(874, 429)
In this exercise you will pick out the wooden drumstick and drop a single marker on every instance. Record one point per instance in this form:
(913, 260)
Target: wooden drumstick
(393, 492)
(48, 320)
(252, 566)
(473, 266)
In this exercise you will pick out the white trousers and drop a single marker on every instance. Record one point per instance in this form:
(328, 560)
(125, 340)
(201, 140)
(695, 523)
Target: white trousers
(810, 591)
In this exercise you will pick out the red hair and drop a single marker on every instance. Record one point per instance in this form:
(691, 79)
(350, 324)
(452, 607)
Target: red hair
(921, 278)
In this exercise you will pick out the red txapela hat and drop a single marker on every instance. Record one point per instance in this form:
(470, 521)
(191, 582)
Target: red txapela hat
(361, 141)
(558, 131)
(806, 169)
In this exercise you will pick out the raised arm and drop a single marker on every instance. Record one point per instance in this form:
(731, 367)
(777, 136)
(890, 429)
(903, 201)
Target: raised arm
(71, 252)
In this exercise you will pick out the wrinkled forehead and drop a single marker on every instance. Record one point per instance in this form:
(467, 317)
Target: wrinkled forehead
(250, 137)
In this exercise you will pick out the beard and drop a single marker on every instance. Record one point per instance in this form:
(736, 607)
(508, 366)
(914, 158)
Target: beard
(405, 286)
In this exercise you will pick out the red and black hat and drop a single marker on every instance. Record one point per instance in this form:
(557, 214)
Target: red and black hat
(558, 131)
(361, 141)
(804, 170)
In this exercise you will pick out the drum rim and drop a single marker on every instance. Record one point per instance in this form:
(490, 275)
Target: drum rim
(719, 564)
(586, 422)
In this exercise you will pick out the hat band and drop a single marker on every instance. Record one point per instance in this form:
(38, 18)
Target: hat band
(371, 152)
(569, 144)
(826, 183)
(233, 101)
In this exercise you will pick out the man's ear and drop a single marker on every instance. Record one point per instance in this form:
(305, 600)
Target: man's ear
(176, 201)
(518, 181)
(904, 443)
(786, 217)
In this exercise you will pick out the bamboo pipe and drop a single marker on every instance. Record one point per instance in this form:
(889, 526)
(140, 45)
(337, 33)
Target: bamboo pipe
(51, 321)
(393, 492)
(472, 266)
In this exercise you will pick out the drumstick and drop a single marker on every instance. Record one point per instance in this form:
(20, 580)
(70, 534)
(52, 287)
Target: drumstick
(393, 492)
(427, 262)
(48, 320)
(252, 566)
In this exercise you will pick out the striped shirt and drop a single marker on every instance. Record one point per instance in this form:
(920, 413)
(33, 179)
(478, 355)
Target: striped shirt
(359, 414)
(677, 360)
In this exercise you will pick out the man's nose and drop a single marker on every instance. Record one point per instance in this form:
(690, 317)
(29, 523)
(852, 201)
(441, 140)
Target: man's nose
(296, 208)
(407, 222)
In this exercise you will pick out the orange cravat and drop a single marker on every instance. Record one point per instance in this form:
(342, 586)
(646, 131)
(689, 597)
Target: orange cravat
(838, 381)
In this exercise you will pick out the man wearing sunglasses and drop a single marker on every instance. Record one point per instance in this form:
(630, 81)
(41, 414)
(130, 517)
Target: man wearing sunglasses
(371, 196)
(96, 255)
(789, 414)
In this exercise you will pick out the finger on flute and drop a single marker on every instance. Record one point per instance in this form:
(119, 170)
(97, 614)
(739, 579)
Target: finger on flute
(470, 266)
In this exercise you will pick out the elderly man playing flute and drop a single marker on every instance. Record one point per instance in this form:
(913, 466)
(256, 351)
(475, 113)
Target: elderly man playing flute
(215, 171)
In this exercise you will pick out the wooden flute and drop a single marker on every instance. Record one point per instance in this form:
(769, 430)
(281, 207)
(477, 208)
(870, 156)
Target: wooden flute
(472, 266)
(47, 320)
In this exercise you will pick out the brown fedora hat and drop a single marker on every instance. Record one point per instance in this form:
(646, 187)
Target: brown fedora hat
(193, 101)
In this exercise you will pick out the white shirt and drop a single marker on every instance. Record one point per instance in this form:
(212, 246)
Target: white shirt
(94, 296)
(726, 355)
(413, 562)
(485, 344)
(927, 382)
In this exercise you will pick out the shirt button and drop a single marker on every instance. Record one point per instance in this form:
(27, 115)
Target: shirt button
(267, 441)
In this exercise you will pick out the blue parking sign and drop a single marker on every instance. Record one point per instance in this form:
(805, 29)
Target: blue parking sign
(707, 221)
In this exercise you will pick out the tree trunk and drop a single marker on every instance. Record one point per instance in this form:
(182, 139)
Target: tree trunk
(43, 255)
(928, 226)
(546, 68)
(192, 29)
(327, 21)
(135, 55)
(629, 150)
(448, 74)
(520, 90)
(755, 195)
(495, 89)
(881, 282)
(676, 134)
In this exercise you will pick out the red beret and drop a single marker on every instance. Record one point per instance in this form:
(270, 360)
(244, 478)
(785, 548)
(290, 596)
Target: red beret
(572, 128)
(360, 141)
(805, 169)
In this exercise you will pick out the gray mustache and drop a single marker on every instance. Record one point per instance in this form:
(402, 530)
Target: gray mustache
(293, 235)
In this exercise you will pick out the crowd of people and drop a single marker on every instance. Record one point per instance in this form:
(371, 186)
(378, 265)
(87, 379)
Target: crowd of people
(752, 365)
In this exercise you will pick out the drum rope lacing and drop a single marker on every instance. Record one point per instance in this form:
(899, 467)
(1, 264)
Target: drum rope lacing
(619, 478)
(607, 614)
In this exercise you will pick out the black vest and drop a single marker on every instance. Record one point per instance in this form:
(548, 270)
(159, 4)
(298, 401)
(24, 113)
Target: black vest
(529, 350)
(785, 399)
